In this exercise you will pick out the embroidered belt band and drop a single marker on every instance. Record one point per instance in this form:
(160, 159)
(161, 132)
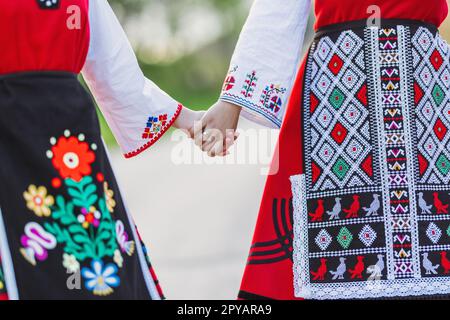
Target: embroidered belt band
(371, 210)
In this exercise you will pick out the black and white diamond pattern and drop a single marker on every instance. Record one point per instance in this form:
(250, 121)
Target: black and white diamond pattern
(367, 235)
(323, 239)
(428, 111)
(434, 233)
(352, 114)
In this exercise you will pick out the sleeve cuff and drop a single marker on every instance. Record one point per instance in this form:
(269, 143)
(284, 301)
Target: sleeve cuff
(155, 128)
(252, 111)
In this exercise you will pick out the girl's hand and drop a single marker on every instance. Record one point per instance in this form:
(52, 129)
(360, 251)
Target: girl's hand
(217, 132)
(187, 119)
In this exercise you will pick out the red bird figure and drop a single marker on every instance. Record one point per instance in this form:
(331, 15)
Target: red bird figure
(445, 262)
(357, 271)
(441, 208)
(352, 212)
(322, 271)
(318, 215)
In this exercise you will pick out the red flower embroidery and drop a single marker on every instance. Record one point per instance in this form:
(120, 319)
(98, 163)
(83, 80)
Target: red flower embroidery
(72, 158)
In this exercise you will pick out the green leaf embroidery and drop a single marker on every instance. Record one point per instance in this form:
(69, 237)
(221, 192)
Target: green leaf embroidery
(78, 241)
(106, 230)
(74, 236)
(82, 192)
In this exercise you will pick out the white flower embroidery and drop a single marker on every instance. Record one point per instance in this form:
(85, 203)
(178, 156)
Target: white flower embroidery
(71, 263)
(118, 259)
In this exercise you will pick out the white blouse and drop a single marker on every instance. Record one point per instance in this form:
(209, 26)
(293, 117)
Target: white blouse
(137, 111)
(266, 59)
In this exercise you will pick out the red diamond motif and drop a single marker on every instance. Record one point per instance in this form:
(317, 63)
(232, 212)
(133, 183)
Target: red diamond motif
(418, 93)
(335, 64)
(436, 59)
(314, 102)
(366, 165)
(316, 171)
(440, 130)
(423, 164)
(339, 133)
(362, 95)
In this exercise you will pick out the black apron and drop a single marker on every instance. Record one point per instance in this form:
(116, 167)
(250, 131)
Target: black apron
(68, 233)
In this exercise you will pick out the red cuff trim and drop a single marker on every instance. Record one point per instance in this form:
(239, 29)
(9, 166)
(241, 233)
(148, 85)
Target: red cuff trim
(156, 137)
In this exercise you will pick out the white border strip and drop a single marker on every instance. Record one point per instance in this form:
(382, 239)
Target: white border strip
(144, 266)
(302, 286)
(372, 39)
(8, 267)
(406, 79)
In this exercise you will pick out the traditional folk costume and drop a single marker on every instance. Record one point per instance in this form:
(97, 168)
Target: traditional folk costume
(61, 213)
(359, 207)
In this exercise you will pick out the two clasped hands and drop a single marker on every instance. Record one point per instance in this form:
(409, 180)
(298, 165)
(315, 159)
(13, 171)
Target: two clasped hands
(214, 131)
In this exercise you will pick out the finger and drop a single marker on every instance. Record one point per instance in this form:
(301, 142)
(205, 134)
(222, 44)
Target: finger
(190, 133)
(208, 146)
(212, 152)
(213, 136)
(228, 143)
(208, 136)
(198, 132)
(230, 139)
(218, 148)
(209, 139)
(227, 146)
(231, 133)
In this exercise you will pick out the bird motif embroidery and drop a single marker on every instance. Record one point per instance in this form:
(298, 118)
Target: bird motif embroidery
(372, 210)
(321, 271)
(440, 207)
(340, 271)
(334, 213)
(357, 271)
(376, 271)
(318, 214)
(428, 265)
(423, 204)
(445, 262)
(352, 212)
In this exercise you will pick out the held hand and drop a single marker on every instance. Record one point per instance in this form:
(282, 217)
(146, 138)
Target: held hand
(187, 119)
(217, 131)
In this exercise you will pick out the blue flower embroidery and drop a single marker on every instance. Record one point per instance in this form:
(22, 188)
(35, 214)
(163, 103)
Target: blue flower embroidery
(101, 278)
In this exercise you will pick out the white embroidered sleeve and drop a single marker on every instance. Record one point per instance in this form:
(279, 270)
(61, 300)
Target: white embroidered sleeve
(266, 59)
(137, 111)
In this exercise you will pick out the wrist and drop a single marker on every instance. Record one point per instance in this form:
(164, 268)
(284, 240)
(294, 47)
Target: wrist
(181, 119)
(231, 107)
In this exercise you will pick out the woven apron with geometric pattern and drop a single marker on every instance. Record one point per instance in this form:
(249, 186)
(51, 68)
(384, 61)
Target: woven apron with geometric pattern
(371, 211)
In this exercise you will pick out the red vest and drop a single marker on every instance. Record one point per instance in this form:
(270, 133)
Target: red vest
(35, 38)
